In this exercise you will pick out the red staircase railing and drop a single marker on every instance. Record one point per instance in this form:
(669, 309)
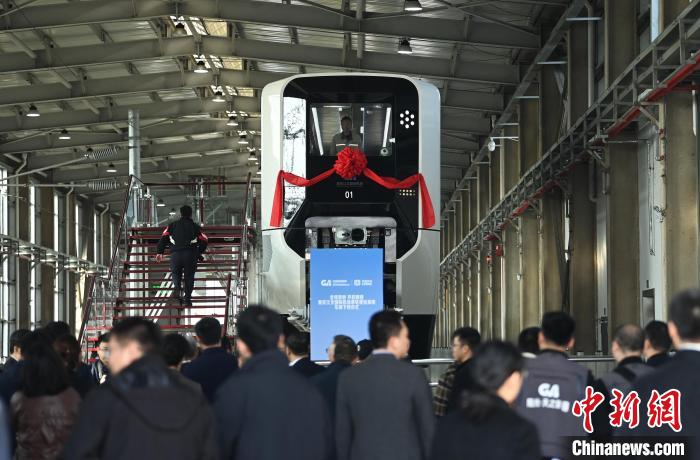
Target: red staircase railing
(136, 285)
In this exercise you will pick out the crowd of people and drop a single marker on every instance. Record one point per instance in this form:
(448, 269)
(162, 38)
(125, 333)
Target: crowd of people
(149, 395)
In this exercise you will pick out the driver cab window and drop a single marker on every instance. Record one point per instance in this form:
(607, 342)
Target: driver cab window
(367, 127)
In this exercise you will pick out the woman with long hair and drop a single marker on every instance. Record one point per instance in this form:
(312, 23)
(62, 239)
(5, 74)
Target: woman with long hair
(45, 408)
(486, 427)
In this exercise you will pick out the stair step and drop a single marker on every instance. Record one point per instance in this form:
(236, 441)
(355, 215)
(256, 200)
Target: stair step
(215, 244)
(178, 307)
(166, 256)
(175, 316)
(206, 263)
(205, 228)
(209, 237)
(194, 299)
(167, 270)
(198, 288)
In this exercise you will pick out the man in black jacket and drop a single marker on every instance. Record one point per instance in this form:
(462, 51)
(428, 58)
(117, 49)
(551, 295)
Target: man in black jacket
(657, 343)
(297, 347)
(627, 345)
(187, 242)
(214, 365)
(681, 373)
(145, 410)
(342, 353)
(266, 410)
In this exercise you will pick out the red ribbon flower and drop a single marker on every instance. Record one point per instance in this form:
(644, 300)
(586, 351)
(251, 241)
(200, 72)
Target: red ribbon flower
(352, 163)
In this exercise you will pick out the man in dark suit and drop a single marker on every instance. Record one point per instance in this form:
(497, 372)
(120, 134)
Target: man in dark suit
(267, 411)
(213, 365)
(384, 407)
(681, 373)
(296, 345)
(15, 348)
(657, 343)
(342, 353)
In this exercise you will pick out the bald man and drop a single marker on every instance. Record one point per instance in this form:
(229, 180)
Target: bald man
(627, 348)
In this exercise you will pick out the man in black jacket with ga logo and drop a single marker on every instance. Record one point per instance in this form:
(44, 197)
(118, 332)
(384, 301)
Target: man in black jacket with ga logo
(187, 242)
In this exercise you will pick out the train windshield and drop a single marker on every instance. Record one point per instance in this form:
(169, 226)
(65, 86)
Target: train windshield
(365, 126)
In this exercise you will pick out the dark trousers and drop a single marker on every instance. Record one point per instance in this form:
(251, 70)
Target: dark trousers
(184, 262)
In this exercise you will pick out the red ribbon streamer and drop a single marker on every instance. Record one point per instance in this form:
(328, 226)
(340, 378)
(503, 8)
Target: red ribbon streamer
(356, 158)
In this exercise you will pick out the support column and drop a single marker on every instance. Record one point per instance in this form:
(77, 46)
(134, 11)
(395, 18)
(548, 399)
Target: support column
(622, 245)
(552, 264)
(23, 265)
(74, 308)
(495, 182)
(485, 300)
(531, 310)
(134, 143)
(682, 220)
(48, 272)
(475, 304)
(581, 298)
(511, 241)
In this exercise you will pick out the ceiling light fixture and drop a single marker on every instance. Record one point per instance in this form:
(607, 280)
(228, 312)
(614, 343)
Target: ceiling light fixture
(179, 30)
(252, 156)
(404, 46)
(200, 67)
(259, 173)
(172, 212)
(160, 203)
(412, 5)
(64, 136)
(560, 62)
(33, 111)
(231, 121)
(218, 97)
(243, 139)
(111, 168)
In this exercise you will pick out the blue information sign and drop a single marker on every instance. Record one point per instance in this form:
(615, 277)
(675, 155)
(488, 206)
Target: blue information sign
(347, 288)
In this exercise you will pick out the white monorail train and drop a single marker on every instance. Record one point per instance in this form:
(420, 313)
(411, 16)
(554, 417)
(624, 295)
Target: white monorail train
(395, 121)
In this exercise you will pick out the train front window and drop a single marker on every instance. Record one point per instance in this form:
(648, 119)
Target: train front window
(367, 127)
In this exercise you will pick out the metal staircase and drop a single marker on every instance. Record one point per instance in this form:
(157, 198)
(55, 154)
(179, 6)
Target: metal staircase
(138, 285)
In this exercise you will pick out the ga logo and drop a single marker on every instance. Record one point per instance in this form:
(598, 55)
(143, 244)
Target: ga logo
(326, 283)
(547, 390)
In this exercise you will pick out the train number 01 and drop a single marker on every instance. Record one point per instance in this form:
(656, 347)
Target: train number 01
(348, 195)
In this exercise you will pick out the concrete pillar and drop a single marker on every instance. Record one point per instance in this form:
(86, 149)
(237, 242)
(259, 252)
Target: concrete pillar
(682, 220)
(485, 304)
(511, 241)
(72, 304)
(622, 201)
(581, 299)
(23, 265)
(496, 266)
(552, 264)
(529, 221)
(48, 273)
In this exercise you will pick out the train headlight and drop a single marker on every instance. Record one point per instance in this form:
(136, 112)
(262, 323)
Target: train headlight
(350, 236)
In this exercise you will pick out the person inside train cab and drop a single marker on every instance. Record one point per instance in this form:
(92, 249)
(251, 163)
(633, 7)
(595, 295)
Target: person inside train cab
(187, 243)
(347, 137)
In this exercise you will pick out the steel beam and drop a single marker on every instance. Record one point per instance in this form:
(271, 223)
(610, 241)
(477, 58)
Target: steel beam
(118, 114)
(149, 153)
(147, 83)
(200, 163)
(319, 56)
(273, 14)
(49, 142)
